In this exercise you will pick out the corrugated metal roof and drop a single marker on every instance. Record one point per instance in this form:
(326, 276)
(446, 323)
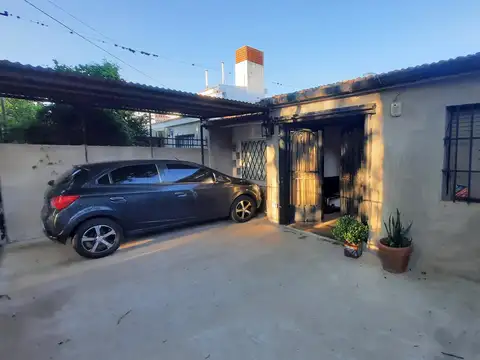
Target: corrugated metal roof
(46, 84)
(455, 66)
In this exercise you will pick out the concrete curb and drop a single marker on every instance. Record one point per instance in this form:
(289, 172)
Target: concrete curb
(370, 246)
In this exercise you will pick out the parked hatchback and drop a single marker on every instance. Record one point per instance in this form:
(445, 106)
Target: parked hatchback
(96, 205)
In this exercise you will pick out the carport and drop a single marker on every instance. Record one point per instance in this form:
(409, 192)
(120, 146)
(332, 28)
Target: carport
(45, 84)
(48, 85)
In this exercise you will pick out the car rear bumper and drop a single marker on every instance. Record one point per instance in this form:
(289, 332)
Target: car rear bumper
(53, 236)
(53, 226)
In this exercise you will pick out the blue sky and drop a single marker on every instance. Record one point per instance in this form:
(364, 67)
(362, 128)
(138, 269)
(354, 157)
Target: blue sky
(306, 43)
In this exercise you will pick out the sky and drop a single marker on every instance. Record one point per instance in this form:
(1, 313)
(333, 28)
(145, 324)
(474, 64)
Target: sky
(306, 43)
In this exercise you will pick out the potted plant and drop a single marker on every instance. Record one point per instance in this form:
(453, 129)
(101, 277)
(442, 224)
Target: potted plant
(353, 233)
(395, 249)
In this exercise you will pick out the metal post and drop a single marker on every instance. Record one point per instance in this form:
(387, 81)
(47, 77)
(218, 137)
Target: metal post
(150, 133)
(201, 142)
(4, 119)
(84, 129)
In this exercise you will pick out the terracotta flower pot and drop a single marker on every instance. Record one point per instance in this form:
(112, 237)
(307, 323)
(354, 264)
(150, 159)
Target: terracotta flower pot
(394, 260)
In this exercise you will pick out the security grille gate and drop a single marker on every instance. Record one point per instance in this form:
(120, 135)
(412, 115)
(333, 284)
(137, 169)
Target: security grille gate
(254, 159)
(306, 151)
(352, 186)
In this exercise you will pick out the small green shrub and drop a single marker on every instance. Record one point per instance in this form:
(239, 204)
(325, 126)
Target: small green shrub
(350, 230)
(397, 234)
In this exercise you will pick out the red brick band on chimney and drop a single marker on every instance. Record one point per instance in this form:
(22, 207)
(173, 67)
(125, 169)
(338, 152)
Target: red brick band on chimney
(250, 54)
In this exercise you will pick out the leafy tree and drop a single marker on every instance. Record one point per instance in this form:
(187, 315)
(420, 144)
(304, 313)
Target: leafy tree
(19, 115)
(20, 112)
(105, 69)
(65, 124)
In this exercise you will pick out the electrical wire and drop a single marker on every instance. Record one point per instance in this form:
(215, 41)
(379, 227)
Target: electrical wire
(117, 45)
(91, 42)
(80, 20)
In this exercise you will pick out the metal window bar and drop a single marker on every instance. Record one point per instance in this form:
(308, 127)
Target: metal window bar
(172, 142)
(460, 192)
(253, 155)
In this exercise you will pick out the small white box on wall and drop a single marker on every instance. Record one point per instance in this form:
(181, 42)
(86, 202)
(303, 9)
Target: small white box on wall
(396, 109)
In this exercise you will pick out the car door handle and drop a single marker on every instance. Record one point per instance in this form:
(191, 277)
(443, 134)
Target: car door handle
(180, 194)
(118, 199)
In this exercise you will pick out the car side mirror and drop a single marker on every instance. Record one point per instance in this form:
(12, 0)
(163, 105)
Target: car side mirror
(50, 182)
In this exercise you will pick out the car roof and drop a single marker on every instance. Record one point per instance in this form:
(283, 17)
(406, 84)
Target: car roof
(117, 163)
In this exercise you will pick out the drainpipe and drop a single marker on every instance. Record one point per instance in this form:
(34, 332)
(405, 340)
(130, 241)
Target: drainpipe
(150, 133)
(201, 141)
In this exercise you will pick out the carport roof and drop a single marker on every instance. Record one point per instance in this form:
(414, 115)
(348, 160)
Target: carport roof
(45, 84)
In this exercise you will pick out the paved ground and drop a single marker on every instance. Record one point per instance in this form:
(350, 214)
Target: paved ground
(231, 291)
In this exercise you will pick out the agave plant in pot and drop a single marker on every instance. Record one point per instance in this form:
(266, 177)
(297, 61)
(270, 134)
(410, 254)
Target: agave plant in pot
(353, 234)
(394, 250)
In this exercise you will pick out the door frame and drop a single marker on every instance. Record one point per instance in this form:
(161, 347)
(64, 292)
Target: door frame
(285, 125)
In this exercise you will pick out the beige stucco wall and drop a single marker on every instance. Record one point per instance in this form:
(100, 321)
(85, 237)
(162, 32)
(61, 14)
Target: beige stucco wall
(26, 169)
(405, 159)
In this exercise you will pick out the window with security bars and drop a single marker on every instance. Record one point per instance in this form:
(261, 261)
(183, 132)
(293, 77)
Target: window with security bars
(462, 154)
(254, 159)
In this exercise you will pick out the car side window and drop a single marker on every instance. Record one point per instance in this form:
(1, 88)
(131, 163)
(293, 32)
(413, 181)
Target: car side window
(103, 180)
(181, 173)
(221, 178)
(135, 175)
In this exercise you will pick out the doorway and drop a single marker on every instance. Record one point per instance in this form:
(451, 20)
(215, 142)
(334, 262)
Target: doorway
(322, 160)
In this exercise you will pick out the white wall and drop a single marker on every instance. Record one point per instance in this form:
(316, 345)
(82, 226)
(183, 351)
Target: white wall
(250, 75)
(332, 144)
(26, 169)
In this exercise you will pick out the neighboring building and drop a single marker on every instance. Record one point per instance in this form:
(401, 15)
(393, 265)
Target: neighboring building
(249, 87)
(406, 139)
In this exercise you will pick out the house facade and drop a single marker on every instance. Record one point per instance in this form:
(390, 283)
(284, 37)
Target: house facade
(249, 87)
(407, 140)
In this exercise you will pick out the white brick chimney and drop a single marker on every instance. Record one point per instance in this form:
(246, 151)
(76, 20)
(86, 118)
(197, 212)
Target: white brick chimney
(249, 70)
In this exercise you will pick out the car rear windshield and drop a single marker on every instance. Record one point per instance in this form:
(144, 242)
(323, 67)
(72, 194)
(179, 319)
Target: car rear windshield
(76, 175)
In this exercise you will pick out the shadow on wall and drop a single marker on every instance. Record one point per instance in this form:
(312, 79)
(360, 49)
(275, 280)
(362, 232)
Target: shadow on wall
(3, 228)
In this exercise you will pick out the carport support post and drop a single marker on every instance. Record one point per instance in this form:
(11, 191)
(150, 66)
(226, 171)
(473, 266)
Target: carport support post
(4, 119)
(202, 147)
(150, 133)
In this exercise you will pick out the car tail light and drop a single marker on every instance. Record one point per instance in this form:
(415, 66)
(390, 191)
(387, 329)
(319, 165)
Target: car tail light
(62, 201)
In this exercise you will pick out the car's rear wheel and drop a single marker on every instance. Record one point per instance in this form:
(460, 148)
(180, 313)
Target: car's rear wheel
(97, 238)
(243, 209)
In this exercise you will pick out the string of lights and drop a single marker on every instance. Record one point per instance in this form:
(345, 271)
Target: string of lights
(18, 17)
(90, 41)
(111, 42)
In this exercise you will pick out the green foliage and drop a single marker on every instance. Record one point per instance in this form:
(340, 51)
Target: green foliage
(134, 125)
(19, 115)
(21, 112)
(64, 124)
(350, 230)
(397, 234)
(106, 69)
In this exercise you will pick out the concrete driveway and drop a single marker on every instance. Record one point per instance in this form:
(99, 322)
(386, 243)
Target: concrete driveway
(235, 291)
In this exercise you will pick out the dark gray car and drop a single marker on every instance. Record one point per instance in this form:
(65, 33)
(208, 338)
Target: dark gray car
(97, 204)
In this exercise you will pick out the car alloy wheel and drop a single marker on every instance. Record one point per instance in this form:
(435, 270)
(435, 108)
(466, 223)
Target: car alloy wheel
(99, 238)
(244, 209)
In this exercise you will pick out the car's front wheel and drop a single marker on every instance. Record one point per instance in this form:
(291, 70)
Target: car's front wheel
(243, 209)
(97, 238)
